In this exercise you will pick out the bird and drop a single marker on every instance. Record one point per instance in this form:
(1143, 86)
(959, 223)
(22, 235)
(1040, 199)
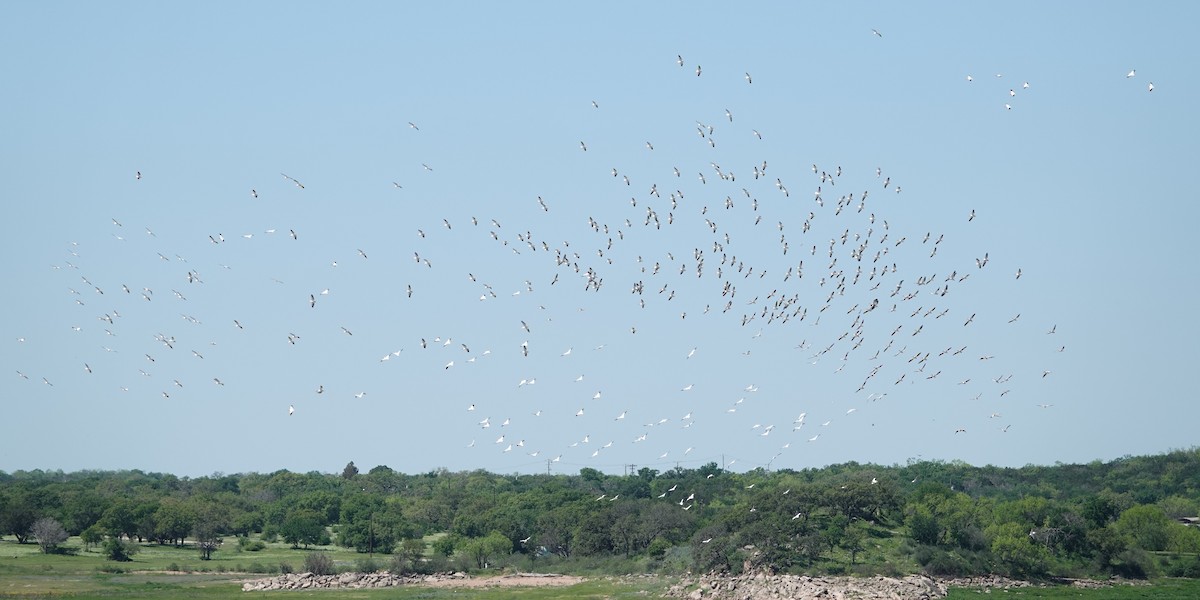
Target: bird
(1150, 87)
(876, 32)
(1131, 73)
(748, 80)
(291, 410)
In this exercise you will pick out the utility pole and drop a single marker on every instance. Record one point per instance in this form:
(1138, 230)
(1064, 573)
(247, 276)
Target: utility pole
(547, 466)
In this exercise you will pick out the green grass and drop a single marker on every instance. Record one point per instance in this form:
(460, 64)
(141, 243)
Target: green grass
(1161, 589)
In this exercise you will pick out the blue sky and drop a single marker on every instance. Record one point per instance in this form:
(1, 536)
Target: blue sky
(1082, 183)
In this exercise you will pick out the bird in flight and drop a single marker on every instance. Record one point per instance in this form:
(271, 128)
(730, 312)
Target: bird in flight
(876, 32)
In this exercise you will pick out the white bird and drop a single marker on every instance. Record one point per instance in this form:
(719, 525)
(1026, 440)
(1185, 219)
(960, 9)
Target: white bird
(579, 413)
(291, 410)
(1150, 87)
(1131, 73)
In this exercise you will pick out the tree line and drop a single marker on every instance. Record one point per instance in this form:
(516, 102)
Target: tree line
(946, 518)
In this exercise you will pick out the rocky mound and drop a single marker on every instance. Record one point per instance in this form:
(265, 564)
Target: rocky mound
(306, 581)
(759, 586)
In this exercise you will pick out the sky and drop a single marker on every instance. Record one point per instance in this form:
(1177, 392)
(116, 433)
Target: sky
(524, 238)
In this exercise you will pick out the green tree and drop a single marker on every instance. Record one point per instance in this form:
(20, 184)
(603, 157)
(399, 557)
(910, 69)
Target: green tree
(1016, 550)
(17, 516)
(210, 519)
(407, 555)
(91, 536)
(350, 471)
(1146, 526)
(303, 527)
(854, 540)
(482, 550)
(447, 544)
(173, 521)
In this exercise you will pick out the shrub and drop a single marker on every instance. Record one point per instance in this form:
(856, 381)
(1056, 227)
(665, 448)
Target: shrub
(119, 550)
(1189, 569)
(257, 567)
(1134, 563)
(319, 563)
(286, 568)
(366, 565)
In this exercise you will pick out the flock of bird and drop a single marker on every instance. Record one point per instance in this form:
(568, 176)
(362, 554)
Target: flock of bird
(819, 257)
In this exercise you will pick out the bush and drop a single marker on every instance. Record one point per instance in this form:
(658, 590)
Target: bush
(1189, 569)
(1134, 564)
(319, 563)
(286, 568)
(366, 565)
(119, 550)
(173, 567)
(250, 545)
(257, 567)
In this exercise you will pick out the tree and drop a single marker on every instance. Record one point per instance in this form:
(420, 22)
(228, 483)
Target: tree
(406, 556)
(303, 527)
(350, 471)
(446, 544)
(173, 521)
(1016, 550)
(854, 540)
(482, 550)
(1147, 526)
(210, 521)
(91, 536)
(17, 516)
(49, 533)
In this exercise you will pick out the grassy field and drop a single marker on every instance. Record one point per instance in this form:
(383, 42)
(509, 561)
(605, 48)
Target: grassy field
(164, 572)
(1161, 589)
